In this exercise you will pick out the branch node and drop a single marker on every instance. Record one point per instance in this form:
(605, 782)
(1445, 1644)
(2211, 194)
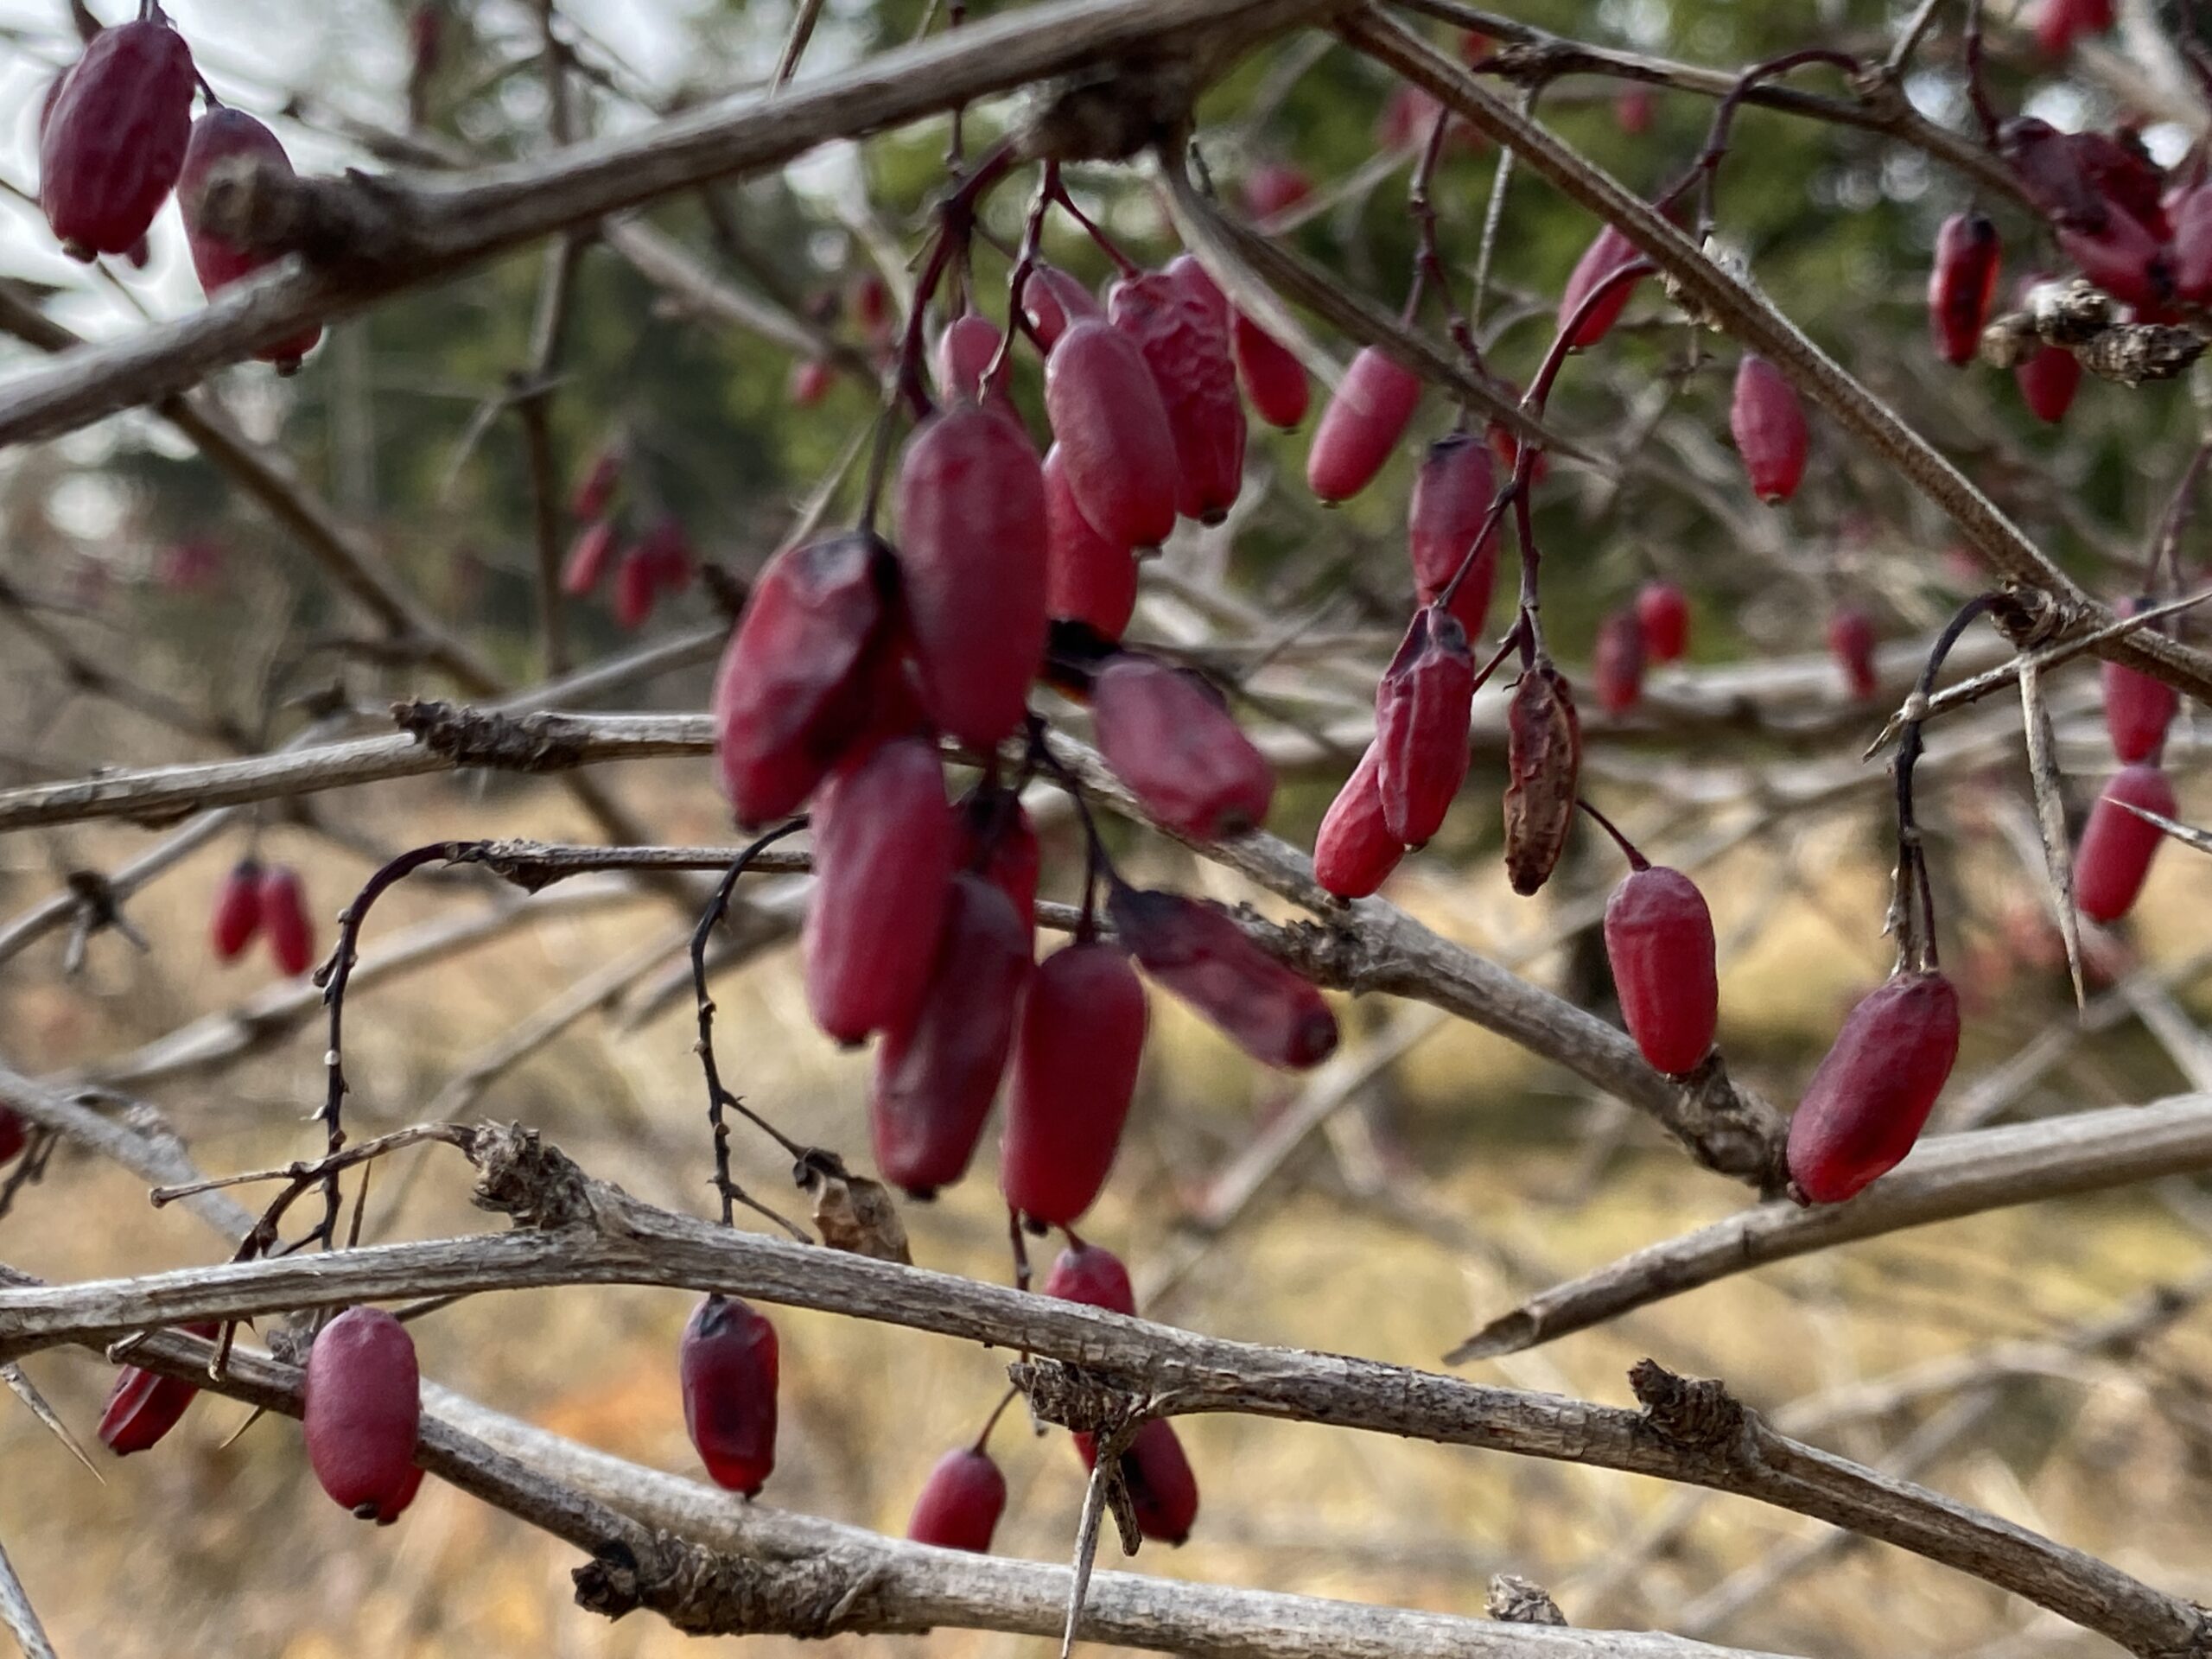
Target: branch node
(520, 1177)
(1692, 1412)
(473, 737)
(1114, 115)
(704, 1593)
(1517, 1601)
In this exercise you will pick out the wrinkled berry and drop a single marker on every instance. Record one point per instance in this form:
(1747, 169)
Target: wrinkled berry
(1422, 708)
(1543, 758)
(1182, 327)
(1198, 953)
(1769, 425)
(113, 146)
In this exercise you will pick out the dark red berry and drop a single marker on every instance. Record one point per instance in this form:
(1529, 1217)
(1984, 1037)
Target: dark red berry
(1092, 1275)
(1451, 499)
(1355, 851)
(285, 919)
(1186, 761)
(2061, 21)
(960, 1503)
(1422, 708)
(1874, 1091)
(811, 381)
(1274, 187)
(2051, 171)
(402, 1499)
(2192, 245)
(668, 555)
(587, 560)
(2121, 256)
(2124, 174)
(15, 1135)
(223, 135)
(2117, 847)
(1659, 940)
(145, 1406)
(363, 1411)
(1116, 443)
(1075, 1070)
(1663, 611)
(596, 491)
(1769, 425)
(1618, 666)
(2048, 378)
(1086, 578)
(1608, 253)
(114, 145)
(1162, 1489)
(884, 843)
(1850, 641)
(998, 842)
(1181, 325)
(237, 910)
(727, 1369)
(1203, 956)
(2138, 709)
(1054, 302)
(1543, 758)
(1959, 284)
(635, 589)
(1273, 378)
(1361, 425)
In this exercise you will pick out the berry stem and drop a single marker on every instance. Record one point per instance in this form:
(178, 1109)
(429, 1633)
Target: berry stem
(2166, 550)
(1977, 94)
(1428, 259)
(1123, 262)
(1636, 859)
(1916, 896)
(983, 1440)
(1705, 171)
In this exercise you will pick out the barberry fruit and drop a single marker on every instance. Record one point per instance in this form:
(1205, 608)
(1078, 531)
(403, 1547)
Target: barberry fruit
(587, 560)
(728, 1369)
(998, 842)
(1361, 425)
(237, 910)
(1054, 302)
(1112, 429)
(965, 352)
(2138, 709)
(1167, 737)
(1769, 425)
(1075, 1070)
(285, 919)
(1088, 579)
(1181, 326)
(1355, 851)
(1543, 758)
(113, 146)
(960, 1503)
(1451, 500)
(1162, 1488)
(810, 383)
(364, 1412)
(1202, 955)
(668, 555)
(1422, 708)
(1662, 610)
(223, 135)
(1609, 253)
(1093, 1275)
(1959, 284)
(1273, 378)
(1850, 641)
(1274, 187)
(595, 492)
(1659, 940)
(2048, 378)
(2117, 847)
(634, 588)
(1872, 1093)
(2121, 256)
(145, 1406)
(1618, 665)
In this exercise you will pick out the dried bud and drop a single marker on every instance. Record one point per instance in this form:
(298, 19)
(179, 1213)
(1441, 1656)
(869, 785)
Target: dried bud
(1543, 756)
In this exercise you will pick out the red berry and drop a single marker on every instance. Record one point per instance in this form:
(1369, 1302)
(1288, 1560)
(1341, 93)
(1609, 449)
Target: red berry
(1662, 610)
(2138, 709)
(884, 842)
(1355, 851)
(872, 304)
(189, 565)
(1092, 1275)
(793, 691)
(634, 588)
(2051, 170)
(1659, 940)
(111, 150)
(599, 482)
(1850, 641)
(1162, 1489)
(1617, 666)
(143, 1406)
(364, 1412)
(971, 524)
(1181, 325)
(960, 1503)
(2121, 256)
(2048, 378)
(1185, 761)
(1634, 108)
(1360, 426)
(220, 136)
(965, 352)
(1769, 425)
(998, 842)
(2192, 245)
(1874, 1091)
(810, 383)
(1086, 578)
(587, 560)
(1075, 1070)
(1053, 301)
(937, 1076)
(1544, 759)
(727, 1369)
(668, 555)
(1203, 956)
(1606, 254)
(1274, 188)
(2117, 847)
(2059, 21)
(285, 919)
(1420, 725)
(1451, 497)
(1114, 438)
(237, 910)
(1959, 284)
(403, 1499)
(1273, 378)
(15, 1135)
(1474, 46)
(1507, 447)
(2124, 174)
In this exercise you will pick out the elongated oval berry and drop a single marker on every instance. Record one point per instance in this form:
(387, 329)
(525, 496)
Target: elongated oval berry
(1186, 761)
(1093, 1275)
(2121, 256)
(1874, 1091)
(728, 1369)
(1543, 758)
(1355, 851)
(2117, 847)
(1663, 611)
(635, 589)
(1618, 666)
(237, 910)
(884, 842)
(1198, 953)
(2124, 175)
(1451, 499)
(1959, 284)
(2138, 709)
(1360, 426)
(998, 842)
(793, 689)
(972, 556)
(1054, 302)
(2048, 378)
(1274, 381)
(960, 1503)
(285, 919)
(1851, 642)
(112, 148)
(810, 383)
(1181, 325)
(15, 1135)
(223, 135)
(668, 555)
(145, 1406)
(1075, 1070)
(1635, 108)
(1422, 709)
(587, 560)
(965, 352)
(364, 1412)
(937, 1076)
(1162, 1488)
(595, 490)
(1606, 254)
(1769, 427)
(1659, 940)
(1087, 578)
(1112, 428)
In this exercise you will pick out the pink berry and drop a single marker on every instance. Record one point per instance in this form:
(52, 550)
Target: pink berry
(1362, 426)
(1872, 1092)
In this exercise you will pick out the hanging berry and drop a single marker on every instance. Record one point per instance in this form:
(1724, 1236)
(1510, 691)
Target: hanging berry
(1163, 1490)
(1662, 610)
(2138, 709)
(1543, 757)
(1618, 666)
(1088, 579)
(1609, 253)
(285, 919)
(1180, 323)
(1054, 302)
(1769, 427)
(363, 1411)
(1362, 426)
(1450, 501)
(1355, 851)
(1874, 1091)
(1115, 440)
(1075, 1051)
(1167, 737)
(2117, 847)
(960, 1503)
(998, 842)
(220, 136)
(727, 1367)
(1093, 1275)
(237, 910)
(113, 145)
(964, 354)
(587, 560)
(635, 589)
(1959, 284)
(1422, 709)
(1659, 942)
(145, 1406)
(1851, 642)
(2048, 378)
(1204, 957)
(595, 491)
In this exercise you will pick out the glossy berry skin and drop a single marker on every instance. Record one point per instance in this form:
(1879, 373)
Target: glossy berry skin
(1362, 426)
(143, 1406)
(1663, 611)
(1355, 852)
(635, 589)
(1181, 325)
(1872, 1092)
(1176, 747)
(965, 352)
(1162, 1488)
(1659, 940)
(1543, 760)
(15, 1135)
(587, 562)
(1203, 956)
(2138, 709)
(727, 1369)
(1274, 381)
(998, 842)
(1086, 578)
(237, 910)
(1076, 1052)
(1094, 1276)
(792, 692)
(1422, 708)
(1054, 302)
(1851, 642)
(937, 1076)
(285, 919)
(111, 150)
(1605, 254)
(1116, 443)
(223, 135)
(596, 492)
(971, 563)
(960, 1503)
(1769, 425)
(2048, 378)
(1451, 500)
(2117, 848)
(364, 1412)
(884, 842)
(1959, 284)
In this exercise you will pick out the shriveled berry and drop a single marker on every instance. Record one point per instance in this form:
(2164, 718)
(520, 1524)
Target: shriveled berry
(2138, 709)
(220, 136)
(145, 1406)
(998, 842)
(1874, 1091)
(1273, 380)
(364, 1412)
(937, 1076)
(1181, 325)
(635, 590)
(1093, 1275)
(1362, 426)
(285, 919)
(2117, 848)
(1274, 187)
(1075, 1070)
(1659, 940)
(1162, 1488)
(1662, 610)
(793, 690)
(113, 146)
(884, 843)
(960, 1503)
(1451, 499)
(1851, 642)
(237, 910)
(1606, 254)
(728, 1369)
(810, 383)
(1543, 758)
(587, 560)
(1422, 709)
(1959, 284)
(1355, 851)
(1769, 427)
(1172, 742)
(595, 491)
(1618, 666)
(1114, 439)
(1086, 578)
(1198, 953)
(1054, 302)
